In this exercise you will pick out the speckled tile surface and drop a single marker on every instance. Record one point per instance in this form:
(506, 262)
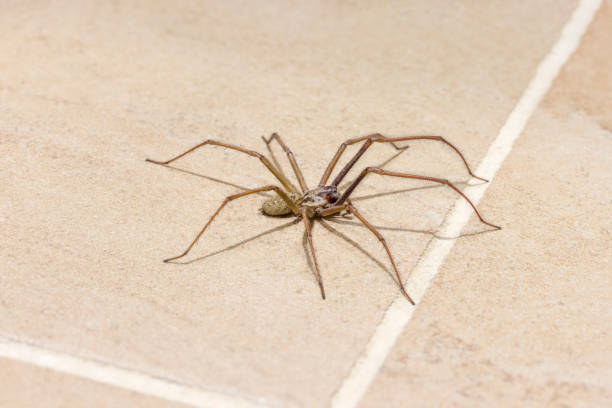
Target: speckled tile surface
(89, 90)
(25, 385)
(523, 316)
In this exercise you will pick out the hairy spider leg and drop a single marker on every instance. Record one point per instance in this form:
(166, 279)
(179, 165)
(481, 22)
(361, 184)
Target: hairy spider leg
(356, 213)
(349, 206)
(381, 165)
(376, 170)
(278, 190)
(278, 166)
(334, 160)
(312, 250)
(284, 181)
(291, 157)
(378, 138)
(326, 212)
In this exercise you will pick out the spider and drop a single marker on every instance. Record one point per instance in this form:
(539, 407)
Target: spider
(325, 200)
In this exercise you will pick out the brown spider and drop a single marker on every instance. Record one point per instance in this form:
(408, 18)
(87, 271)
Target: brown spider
(324, 200)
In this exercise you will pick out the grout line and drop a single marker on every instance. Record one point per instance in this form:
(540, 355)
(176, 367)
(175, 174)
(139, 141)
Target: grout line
(397, 316)
(120, 377)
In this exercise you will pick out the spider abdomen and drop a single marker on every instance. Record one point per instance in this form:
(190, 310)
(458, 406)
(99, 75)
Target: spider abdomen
(277, 207)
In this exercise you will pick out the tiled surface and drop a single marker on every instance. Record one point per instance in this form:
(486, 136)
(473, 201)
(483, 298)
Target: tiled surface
(523, 316)
(88, 91)
(24, 385)
(585, 85)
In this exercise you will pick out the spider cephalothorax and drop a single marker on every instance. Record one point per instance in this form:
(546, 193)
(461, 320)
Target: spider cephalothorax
(319, 198)
(324, 200)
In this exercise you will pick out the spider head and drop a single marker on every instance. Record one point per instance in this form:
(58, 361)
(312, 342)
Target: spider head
(318, 197)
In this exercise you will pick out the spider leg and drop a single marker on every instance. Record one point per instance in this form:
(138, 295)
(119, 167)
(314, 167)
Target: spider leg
(436, 139)
(334, 160)
(376, 170)
(378, 138)
(356, 213)
(277, 165)
(280, 192)
(312, 250)
(331, 210)
(252, 153)
(381, 165)
(291, 157)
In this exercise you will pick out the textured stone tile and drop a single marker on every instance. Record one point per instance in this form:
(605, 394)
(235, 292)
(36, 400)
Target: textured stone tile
(25, 385)
(523, 316)
(89, 89)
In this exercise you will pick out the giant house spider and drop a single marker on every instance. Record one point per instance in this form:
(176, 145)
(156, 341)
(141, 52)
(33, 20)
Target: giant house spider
(325, 200)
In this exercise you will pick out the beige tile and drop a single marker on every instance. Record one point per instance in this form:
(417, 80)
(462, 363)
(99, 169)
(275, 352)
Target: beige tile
(587, 80)
(89, 90)
(25, 385)
(524, 316)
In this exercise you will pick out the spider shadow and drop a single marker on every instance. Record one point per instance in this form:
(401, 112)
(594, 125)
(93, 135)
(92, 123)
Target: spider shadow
(404, 190)
(347, 239)
(276, 163)
(333, 219)
(326, 225)
(240, 243)
(431, 232)
(216, 180)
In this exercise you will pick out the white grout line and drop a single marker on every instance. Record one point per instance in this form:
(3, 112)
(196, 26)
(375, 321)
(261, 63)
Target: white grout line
(120, 377)
(356, 384)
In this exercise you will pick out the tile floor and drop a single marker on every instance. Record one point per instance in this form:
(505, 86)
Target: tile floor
(89, 90)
